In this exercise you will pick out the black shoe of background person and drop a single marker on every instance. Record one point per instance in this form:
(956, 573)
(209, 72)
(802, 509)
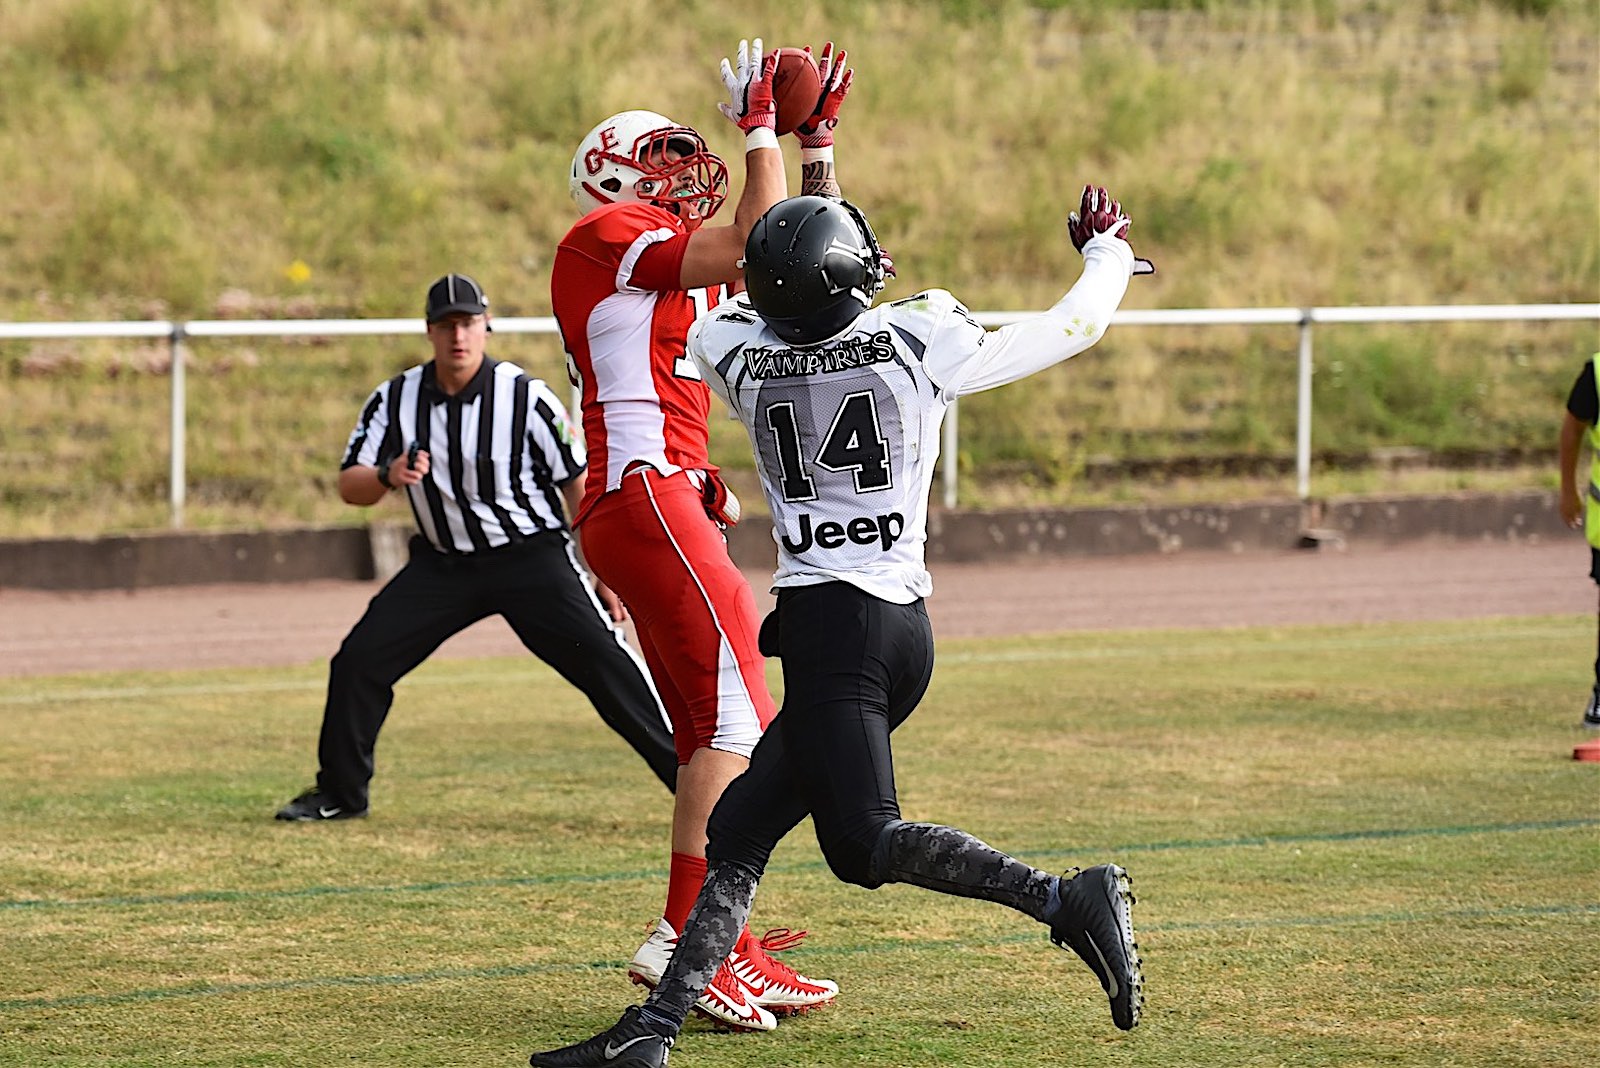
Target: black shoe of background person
(1591, 714)
(630, 1043)
(1095, 921)
(316, 805)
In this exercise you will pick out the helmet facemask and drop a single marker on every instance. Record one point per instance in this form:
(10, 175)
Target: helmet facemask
(681, 175)
(868, 280)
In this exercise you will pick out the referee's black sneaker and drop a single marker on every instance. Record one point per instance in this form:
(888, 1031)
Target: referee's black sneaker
(316, 805)
(1095, 921)
(629, 1043)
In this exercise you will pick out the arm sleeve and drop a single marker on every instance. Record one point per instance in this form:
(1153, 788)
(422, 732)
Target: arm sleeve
(1583, 402)
(645, 245)
(366, 440)
(974, 363)
(659, 266)
(550, 434)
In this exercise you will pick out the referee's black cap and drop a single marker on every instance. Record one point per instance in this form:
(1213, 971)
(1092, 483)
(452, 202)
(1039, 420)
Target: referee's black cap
(455, 294)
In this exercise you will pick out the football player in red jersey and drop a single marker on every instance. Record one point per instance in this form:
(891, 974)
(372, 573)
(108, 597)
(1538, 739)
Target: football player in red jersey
(628, 280)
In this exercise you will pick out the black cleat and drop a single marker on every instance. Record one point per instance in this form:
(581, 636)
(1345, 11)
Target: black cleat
(630, 1043)
(1591, 711)
(316, 805)
(1095, 921)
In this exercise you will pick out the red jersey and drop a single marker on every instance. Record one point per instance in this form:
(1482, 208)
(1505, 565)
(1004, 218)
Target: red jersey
(624, 321)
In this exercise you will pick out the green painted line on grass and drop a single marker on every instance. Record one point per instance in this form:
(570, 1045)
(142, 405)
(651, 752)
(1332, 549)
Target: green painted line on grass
(1069, 650)
(1174, 845)
(224, 896)
(202, 990)
(1245, 651)
(197, 990)
(1378, 834)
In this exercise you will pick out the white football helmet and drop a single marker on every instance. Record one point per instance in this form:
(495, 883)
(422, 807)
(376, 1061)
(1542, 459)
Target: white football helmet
(643, 156)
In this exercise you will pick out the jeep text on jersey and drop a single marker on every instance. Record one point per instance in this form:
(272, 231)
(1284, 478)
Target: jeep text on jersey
(863, 530)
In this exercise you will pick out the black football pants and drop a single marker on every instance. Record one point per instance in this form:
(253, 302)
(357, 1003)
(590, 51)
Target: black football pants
(540, 590)
(854, 667)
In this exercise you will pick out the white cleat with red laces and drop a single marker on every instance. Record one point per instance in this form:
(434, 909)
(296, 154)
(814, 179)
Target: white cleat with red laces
(777, 986)
(727, 1002)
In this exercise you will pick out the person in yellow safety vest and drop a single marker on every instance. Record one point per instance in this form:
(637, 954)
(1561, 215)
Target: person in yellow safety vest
(1582, 507)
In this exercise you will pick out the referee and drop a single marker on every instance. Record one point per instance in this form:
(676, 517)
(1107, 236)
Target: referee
(485, 456)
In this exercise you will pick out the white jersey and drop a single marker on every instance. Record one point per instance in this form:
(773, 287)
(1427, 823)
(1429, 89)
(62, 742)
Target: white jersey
(846, 432)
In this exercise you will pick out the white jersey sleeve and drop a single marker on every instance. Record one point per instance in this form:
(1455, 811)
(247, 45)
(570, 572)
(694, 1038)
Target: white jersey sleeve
(964, 358)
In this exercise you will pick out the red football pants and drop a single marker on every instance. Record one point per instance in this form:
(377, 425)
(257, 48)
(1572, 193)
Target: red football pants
(651, 541)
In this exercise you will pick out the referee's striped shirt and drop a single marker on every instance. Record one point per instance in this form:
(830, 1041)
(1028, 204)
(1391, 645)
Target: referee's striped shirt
(499, 451)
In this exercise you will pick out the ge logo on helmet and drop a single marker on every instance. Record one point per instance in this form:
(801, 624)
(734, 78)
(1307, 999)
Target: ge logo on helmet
(594, 159)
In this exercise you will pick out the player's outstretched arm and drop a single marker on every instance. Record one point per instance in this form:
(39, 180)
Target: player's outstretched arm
(713, 252)
(1098, 229)
(817, 176)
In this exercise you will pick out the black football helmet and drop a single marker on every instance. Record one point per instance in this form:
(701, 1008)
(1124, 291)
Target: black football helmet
(811, 266)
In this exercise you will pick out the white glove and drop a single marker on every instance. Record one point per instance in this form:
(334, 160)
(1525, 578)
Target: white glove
(750, 88)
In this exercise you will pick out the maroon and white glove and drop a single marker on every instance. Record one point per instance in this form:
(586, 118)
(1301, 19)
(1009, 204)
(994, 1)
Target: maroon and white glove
(1099, 214)
(817, 131)
(751, 105)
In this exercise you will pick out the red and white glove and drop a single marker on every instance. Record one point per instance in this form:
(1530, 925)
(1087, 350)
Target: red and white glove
(751, 105)
(719, 502)
(817, 131)
(1099, 214)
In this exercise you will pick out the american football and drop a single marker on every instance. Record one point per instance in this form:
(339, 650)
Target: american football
(796, 86)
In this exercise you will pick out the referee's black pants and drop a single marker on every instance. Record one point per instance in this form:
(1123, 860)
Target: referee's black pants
(539, 588)
(854, 667)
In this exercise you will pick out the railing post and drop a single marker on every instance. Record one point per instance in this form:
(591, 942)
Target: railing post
(176, 476)
(1302, 451)
(948, 452)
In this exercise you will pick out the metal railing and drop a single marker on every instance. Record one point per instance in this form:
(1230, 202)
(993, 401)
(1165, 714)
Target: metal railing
(1304, 319)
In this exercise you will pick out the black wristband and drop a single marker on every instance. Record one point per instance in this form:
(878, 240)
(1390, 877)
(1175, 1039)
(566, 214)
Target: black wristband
(383, 477)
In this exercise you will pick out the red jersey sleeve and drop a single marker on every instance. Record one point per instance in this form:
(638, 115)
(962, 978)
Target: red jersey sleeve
(641, 243)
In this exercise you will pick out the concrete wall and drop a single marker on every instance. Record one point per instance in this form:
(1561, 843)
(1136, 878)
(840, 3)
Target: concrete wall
(185, 559)
(182, 558)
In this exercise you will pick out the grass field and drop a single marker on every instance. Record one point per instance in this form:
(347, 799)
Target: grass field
(1352, 846)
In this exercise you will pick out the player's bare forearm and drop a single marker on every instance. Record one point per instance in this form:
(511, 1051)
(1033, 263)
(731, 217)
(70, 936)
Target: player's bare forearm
(714, 252)
(765, 184)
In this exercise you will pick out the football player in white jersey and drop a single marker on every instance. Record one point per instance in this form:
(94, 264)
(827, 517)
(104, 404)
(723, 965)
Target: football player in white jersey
(843, 402)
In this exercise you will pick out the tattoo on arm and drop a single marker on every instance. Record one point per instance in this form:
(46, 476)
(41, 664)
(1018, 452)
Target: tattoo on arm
(817, 180)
